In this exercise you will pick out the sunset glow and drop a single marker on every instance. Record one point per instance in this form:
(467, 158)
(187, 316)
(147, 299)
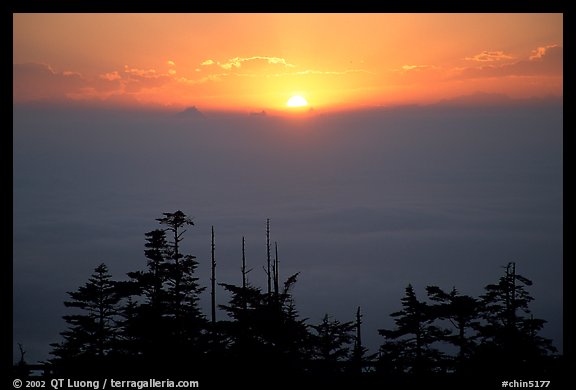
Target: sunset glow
(296, 101)
(246, 62)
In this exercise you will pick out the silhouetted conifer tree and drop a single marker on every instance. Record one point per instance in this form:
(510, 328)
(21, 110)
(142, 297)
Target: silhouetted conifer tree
(153, 322)
(411, 343)
(462, 312)
(152, 282)
(359, 357)
(130, 338)
(145, 325)
(266, 332)
(182, 285)
(509, 334)
(92, 329)
(331, 344)
(291, 337)
(166, 325)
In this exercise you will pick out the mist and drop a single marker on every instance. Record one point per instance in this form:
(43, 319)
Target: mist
(361, 203)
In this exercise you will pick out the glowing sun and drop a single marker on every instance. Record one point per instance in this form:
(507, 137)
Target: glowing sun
(296, 101)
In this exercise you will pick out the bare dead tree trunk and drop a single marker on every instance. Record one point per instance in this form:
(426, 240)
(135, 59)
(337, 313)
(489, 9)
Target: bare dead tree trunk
(22, 353)
(243, 264)
(213, 279)
(511, 295)
(276, 270)
(513, 300)
(177, 274)
(358, 328)
(358, 344)
(244, 275)
(268, 254)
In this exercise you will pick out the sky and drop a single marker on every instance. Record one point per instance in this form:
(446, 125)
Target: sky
(430, 153)
(257, 61)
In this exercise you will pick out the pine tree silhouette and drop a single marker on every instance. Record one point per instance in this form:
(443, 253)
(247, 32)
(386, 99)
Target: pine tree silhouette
(163, 325)
(267, 331)
(410, 345)
(331, 345)
(145, 324)
(509, 334)
(153, 322)
(462, 313)
(91, 332)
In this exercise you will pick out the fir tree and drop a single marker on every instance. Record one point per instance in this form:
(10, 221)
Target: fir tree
(415, 334)
(331, 344)
(267, 331)
(166, 325)
(92, 329)
(462, 312)
(509, 334)
(145, 325)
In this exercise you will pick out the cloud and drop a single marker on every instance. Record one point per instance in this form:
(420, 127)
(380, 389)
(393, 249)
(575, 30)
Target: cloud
(135, 79)
(540, 52)
(36, 81)
(490, 56)
(330, 72)
(414, 67)
(111, 76)
(544, 61)
(238, 62)
(211, 77)
(145, 73)
(410, 74)
(155, 85)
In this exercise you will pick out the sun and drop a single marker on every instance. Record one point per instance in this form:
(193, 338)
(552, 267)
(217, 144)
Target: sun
(296, 101)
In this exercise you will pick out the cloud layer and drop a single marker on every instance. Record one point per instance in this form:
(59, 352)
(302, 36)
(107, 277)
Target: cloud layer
(362, 203)
(249, 76)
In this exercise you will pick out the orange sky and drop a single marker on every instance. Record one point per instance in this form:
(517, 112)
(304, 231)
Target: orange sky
(251, 62)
